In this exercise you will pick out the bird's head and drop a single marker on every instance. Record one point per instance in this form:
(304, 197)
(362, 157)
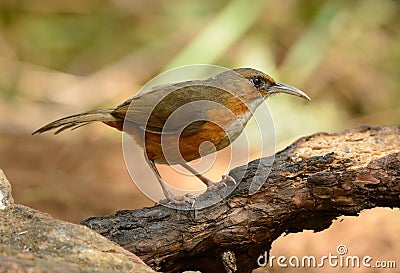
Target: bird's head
(266, 85)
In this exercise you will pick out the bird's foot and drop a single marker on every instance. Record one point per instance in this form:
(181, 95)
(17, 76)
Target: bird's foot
(178, 199)
(222, 183)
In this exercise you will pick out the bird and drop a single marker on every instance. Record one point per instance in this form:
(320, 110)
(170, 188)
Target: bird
(171, 122)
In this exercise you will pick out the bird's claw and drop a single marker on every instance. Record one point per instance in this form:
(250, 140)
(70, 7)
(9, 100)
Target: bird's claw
(228, 178)
(223, 183)
(179, 199)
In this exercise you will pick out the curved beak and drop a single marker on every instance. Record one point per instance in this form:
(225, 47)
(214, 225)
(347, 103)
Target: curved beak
(284, 88)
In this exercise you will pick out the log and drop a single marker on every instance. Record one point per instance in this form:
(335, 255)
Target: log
(306, 186)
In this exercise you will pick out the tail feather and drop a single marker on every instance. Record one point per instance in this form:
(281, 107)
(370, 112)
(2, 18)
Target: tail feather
(78, 120)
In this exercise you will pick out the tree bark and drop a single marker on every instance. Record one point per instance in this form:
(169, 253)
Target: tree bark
(306, 186)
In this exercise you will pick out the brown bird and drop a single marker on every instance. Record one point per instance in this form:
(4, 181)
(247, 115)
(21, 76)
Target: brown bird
(171, 121)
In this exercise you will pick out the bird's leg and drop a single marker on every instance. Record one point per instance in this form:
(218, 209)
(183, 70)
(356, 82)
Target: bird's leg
(187, 198)
(203, 179)
(208, 182)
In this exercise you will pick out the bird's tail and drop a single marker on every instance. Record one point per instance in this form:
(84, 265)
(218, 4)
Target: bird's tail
(78, 120)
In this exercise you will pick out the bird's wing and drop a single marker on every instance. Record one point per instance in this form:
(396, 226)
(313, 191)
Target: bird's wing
(174, 107)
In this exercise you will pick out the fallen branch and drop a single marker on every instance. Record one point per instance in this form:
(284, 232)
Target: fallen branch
(311, 183)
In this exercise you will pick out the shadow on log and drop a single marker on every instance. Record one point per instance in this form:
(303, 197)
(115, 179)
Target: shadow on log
(312, 182)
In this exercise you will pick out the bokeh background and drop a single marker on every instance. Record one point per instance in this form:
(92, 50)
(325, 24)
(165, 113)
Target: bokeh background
(62, 57)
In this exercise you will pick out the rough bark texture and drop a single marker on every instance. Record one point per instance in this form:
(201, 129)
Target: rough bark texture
(306, 186)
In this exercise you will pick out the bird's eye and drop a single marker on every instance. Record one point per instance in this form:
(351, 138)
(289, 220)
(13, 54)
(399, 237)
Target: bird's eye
(257, 82)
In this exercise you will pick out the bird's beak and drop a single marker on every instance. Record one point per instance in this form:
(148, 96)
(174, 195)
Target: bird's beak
(284, 88)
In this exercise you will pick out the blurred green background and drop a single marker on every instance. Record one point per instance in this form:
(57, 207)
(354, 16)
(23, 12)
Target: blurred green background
(61, 57)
